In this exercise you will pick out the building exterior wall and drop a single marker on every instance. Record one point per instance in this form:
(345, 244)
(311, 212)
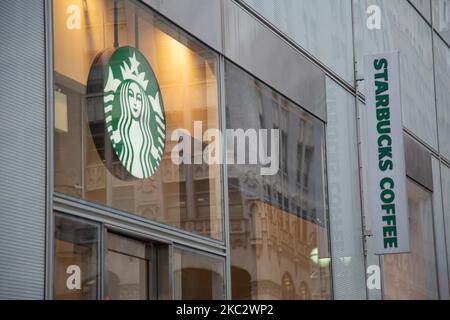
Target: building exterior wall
(308, 53)
(22, 128)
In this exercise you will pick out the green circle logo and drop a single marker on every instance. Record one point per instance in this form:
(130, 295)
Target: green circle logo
(134, 112)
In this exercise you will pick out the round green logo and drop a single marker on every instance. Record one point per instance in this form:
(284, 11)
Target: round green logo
(134, 112)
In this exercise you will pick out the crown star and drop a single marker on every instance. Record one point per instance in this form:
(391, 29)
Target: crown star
(131, 72)
(134, 64)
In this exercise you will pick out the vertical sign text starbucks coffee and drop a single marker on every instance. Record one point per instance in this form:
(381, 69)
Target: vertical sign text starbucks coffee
(388, 204)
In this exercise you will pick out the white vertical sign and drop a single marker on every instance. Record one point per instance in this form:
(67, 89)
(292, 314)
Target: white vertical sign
(388, 204)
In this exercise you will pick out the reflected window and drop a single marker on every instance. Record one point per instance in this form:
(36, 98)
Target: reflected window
(412, 276)
(288, 289)
(278, 223)
(323, 27)
(128, 265)
(441, 18)
(75, 259)
(442, 76)
(304, 293)
(187, 196)
(198, 277)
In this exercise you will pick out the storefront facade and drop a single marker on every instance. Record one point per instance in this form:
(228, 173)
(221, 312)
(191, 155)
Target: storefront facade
(99, 201)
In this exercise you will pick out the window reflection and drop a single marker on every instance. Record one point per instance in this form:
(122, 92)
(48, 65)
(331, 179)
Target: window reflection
(185, 196)
(278, 224)
(327, 33)
(412, 276)
(130, 282)
(198, 277)
(75, 259)
(288, 289)
(128, 269)
(441, 18)
(442, 77)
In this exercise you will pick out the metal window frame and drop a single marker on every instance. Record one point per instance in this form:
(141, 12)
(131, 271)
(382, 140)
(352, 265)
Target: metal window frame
(183, 248)
(124, 223)
(224, 179)
(49, 84)
(150, 244)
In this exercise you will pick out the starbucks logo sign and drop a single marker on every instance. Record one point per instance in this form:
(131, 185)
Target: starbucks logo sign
(124, 84)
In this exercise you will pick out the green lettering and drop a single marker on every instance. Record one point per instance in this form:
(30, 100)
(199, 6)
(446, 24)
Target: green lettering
(384, 127)
(383, 75)
(390, 220)
(383, 114)
(382, 87)
(390, 243)
(384, 138)
(390, 231)
(385, 152)
(382, 100)
(386, 165)
(386, 181)
(389, 209)
(387, 196)
(379, 64)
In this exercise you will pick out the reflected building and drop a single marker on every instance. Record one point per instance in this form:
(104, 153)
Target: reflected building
(278, 224)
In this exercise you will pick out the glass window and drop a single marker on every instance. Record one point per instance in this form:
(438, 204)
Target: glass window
(403, 29)
(75, 259)
(89, 163)
(198, 276)
(441, 18)
(278, 223)
(323, 27)
(128, 269)
(127, 277)
(442, 70)
(446, 201)
(412, 276)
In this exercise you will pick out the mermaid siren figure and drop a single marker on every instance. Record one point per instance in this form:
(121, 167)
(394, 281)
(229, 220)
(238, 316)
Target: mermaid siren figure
(134, 118)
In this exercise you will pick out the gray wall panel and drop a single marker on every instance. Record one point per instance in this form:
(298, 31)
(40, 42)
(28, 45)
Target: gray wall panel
(251, 45)
(424, 7)
(22, 156)
(418, 162)
(200, 17)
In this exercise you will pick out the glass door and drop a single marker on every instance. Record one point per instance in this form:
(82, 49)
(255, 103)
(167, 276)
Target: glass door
(131, 272)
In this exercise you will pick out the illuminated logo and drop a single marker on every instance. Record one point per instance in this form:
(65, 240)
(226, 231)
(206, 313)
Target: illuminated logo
(133, 109)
